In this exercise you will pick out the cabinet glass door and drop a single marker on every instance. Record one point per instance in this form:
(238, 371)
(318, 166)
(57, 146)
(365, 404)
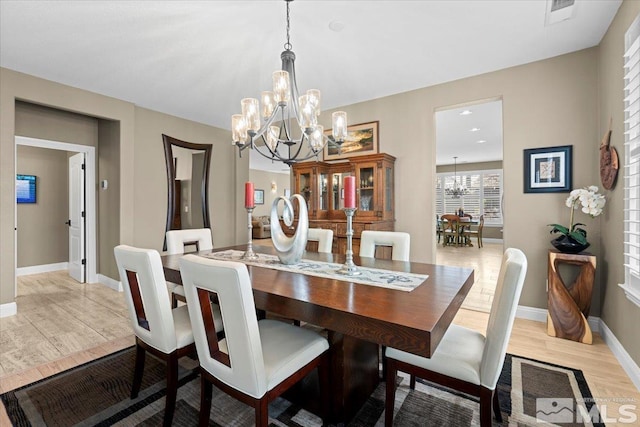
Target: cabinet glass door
(388, 190)
(323, 190)
(305, 187)
(336, 191)
(366, 189)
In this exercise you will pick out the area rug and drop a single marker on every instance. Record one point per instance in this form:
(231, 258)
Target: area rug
(97, 393)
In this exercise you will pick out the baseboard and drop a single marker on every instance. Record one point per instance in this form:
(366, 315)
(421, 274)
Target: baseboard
(489, 240)
(597, 325)
(8, 309)
(540, 315)
(628, 364)
(110, 283)
(45, 268)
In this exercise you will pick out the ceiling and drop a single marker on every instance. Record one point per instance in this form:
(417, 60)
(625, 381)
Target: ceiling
(473, 133)
(197, 59)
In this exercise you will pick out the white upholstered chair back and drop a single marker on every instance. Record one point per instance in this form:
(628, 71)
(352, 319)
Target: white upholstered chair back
(399, 241)
(147, 298)
(176, 239)
(503, 311)
(231, 282)
(323, 237)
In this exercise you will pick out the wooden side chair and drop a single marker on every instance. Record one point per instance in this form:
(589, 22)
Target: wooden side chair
(465, 360)
(323, 237)
(160, 330)
(400, 243)
(451, 229)
(257, 360)
(477, 232)
(177, 241)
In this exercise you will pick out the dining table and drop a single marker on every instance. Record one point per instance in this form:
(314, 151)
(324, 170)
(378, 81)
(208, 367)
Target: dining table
(358, 318)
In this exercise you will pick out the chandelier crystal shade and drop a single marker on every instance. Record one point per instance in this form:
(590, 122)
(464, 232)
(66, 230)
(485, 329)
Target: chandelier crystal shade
(458, 190)
(269, 125)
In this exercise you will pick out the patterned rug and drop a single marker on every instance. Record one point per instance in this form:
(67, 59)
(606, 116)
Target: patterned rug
(97, 393)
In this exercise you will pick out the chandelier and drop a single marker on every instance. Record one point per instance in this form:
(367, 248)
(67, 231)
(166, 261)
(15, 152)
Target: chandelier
(256, 127)
(458, 190)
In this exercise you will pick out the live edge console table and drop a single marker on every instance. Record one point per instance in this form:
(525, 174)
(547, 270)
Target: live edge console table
(568, 306)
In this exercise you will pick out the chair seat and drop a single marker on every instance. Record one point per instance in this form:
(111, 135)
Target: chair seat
(458, 355)
(287, 348)
(184, 334)
(174, 288)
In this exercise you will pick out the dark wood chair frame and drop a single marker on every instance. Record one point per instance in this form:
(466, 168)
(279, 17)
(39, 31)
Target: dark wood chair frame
(485, 395)
(171, 359)
(261, 405)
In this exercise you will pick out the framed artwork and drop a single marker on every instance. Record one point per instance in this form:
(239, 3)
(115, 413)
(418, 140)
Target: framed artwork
(361, 140)
(258, 197)
(548, 170)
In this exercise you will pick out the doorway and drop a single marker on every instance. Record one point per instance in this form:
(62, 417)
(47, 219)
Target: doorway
(469, 181)
(90, 239)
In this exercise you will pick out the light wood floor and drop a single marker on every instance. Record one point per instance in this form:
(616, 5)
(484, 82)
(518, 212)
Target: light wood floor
(484, 261)
(61, 324)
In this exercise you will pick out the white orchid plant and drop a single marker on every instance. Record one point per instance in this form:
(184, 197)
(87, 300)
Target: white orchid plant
(592, 204)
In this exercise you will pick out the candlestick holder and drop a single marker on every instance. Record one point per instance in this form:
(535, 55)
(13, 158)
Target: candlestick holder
(249, 254)
(349, 268)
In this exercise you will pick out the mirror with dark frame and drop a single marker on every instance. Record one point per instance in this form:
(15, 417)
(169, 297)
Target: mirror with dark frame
(187, 165)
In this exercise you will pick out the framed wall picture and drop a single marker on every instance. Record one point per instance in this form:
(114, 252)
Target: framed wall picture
(361, 140)
(258, 197)
(548, 170)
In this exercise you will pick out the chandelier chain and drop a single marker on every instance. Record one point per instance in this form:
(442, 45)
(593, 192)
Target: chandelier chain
(287, 45)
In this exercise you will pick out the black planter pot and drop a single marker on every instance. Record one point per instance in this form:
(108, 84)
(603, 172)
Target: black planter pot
(568, 245)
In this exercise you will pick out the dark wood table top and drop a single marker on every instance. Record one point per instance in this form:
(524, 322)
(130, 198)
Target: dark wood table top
(411, 321)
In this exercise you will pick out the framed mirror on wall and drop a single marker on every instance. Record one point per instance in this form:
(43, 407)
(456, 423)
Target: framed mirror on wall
(187, 166)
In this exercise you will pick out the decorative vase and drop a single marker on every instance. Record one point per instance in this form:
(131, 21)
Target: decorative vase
(290, 249)
(569, 246)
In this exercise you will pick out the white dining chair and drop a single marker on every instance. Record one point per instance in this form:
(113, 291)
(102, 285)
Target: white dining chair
(159, 329)
(400, 243)
(323, 237)
(466, 360)
(257, 360)
(177, 240)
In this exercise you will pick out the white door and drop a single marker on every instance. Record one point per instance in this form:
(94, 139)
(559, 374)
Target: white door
(76, 218)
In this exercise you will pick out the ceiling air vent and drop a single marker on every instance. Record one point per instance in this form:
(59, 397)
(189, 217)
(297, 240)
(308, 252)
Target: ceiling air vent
(559, 10)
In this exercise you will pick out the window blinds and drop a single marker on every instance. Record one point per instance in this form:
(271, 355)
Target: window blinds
(632, 162)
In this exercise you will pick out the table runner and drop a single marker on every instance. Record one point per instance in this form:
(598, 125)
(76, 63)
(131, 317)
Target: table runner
(370, 276)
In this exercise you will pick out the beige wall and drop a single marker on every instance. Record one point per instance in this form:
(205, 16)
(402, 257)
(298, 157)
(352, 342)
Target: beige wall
(130, 157)
(470, 167)
(546, 103)
(262, 180)
(150, 178)
(620, 315)
(108, 200)
(43, 236)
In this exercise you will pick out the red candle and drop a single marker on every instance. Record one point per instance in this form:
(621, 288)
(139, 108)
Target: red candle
(248, 195)
(349, 192)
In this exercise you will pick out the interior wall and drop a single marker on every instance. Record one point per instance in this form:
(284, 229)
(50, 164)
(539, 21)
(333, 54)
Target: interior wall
(151, 178)
(620, 315)
(42, 122)
(545, 103)
(108, 200)
(42, 235)
(262, 181)
(16, 88)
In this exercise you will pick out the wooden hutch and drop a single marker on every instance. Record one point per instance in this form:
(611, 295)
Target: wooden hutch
(321, 185)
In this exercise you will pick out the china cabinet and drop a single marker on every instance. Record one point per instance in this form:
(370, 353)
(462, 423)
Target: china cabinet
(321, 185)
